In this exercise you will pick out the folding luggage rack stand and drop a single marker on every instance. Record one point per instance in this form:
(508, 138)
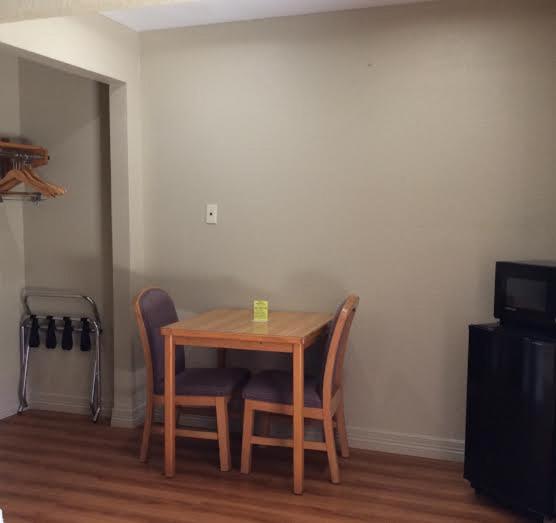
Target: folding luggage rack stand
(95, 398)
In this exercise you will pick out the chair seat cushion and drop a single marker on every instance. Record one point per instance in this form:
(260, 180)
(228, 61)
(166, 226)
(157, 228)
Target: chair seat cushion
(275, 386)
(209, 382)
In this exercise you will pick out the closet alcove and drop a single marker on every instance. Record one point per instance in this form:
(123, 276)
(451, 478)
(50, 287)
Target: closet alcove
(61, 244)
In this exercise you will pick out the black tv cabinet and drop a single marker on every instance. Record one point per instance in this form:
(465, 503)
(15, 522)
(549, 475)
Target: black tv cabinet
(510, 442)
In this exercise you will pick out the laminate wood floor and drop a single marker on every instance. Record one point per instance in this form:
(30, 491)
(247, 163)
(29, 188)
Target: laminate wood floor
(63, 468)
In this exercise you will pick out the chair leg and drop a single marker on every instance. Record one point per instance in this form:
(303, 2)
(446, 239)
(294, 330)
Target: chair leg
(246, 447)
(265, 424)
(223, 428)
(147, 428)
(331, 449)
(342, 432)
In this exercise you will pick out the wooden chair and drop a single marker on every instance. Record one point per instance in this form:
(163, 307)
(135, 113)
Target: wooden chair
(271, 392)
(194, 387)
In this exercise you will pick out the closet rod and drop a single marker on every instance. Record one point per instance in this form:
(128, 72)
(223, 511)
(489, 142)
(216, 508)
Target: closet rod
(35, 197)
(21, 156)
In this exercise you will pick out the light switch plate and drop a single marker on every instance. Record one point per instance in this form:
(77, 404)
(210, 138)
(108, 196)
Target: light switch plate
(212, 213)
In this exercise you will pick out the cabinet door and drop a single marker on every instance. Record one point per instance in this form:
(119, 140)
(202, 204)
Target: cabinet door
(481, 423)
(526, 402)
(510, 422)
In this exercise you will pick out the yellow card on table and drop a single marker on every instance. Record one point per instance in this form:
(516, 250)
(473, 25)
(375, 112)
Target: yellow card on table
(260, 310)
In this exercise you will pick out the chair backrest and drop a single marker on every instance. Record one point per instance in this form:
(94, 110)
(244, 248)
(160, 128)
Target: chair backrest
(336, 345)
(154, 309)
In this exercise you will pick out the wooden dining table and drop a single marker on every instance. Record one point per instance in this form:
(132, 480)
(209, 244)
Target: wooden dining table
(286, 332)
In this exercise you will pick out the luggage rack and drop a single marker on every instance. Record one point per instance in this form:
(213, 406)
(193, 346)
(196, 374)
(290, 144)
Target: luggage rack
(44, 322)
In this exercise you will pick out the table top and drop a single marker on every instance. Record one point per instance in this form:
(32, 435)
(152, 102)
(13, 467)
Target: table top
(291, 327)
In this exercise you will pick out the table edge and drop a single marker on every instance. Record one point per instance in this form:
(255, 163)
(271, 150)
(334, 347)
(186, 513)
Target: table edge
(191, 333)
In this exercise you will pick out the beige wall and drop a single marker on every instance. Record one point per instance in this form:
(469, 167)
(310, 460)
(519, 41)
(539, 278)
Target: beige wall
(395, 152)
(68, 241)
(11, 249)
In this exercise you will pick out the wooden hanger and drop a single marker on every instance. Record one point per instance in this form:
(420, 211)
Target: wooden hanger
(13, 178)
(53, 189)
(24, 158)
(40, 154)
(27, 176)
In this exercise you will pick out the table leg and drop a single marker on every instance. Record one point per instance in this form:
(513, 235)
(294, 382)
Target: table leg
(298, 421)
(169, 407)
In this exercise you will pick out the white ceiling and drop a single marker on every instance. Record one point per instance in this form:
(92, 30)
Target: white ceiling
(14, 10)
(204, 12)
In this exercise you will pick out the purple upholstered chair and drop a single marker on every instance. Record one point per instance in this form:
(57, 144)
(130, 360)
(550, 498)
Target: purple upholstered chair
(195, 387)
(271, 392)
